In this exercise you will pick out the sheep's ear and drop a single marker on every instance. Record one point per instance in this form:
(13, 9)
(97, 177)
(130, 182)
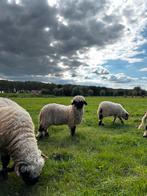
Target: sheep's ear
(44, 156)
(73, 102)
(85, 102)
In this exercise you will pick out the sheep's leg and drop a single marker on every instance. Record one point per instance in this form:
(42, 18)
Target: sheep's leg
(73, 129)
(100, 118)
(145, 133)
(42, 132)
(114, 119)
(121, 120)
(11, 169)
(101, 123)
(140, 126)
(5, 159)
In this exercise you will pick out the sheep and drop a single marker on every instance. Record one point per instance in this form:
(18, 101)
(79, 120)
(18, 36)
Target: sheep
(18, 142)
(144, 124)
(107, 108)
(58, 114)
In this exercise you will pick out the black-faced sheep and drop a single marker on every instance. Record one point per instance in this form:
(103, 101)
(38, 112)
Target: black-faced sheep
(18, 142)
(107, 108)
(57, 114)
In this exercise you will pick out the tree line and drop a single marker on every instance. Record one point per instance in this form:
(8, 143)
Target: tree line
(66, 89)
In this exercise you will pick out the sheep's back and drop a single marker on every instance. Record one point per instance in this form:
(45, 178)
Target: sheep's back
(4, 102)
(109, 108)
(15, 125)
(54, 114)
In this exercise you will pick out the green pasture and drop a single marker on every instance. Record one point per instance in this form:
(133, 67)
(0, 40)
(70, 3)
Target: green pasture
(98, 161)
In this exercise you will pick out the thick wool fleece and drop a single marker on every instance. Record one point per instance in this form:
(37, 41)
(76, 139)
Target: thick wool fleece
(57, 114)
(17, 137)
(108, 108)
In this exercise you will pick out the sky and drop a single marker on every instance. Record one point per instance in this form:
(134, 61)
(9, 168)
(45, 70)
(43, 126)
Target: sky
(86, 42)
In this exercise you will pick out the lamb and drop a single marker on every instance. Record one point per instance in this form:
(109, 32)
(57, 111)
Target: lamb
(107, 108)
(18, 142)
(58, 114)
(144, 124)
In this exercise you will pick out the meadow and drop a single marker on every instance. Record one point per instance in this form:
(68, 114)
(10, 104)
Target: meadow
(109, 160)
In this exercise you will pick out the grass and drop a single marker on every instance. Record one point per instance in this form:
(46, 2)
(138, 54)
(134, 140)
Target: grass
(109, 160)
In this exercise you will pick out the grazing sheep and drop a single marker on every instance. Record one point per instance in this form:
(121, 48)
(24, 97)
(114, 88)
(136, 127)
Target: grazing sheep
(18, 142)
(57, 114)
(107, 108)
(144, 124)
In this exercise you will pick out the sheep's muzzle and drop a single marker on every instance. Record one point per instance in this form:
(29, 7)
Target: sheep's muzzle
(28, 179)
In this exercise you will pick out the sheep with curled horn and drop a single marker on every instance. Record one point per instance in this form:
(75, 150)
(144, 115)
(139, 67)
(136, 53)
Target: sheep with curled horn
(58, 114)
(18, 142)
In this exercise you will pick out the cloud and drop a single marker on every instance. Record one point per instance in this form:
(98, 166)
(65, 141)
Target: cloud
(119, 78)
(143, 69)
(69, 40)
(101, 71)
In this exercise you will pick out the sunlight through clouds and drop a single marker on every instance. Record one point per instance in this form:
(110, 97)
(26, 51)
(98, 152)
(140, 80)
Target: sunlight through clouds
(74, 40)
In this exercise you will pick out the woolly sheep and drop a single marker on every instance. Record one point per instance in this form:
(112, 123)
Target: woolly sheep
(144, 124)
(107, 108)
(57, 114)
(18, 142)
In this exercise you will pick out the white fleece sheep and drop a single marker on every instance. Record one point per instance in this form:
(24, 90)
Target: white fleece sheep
(143, 124)
(57, 114)
(107, 108)
(18, 142)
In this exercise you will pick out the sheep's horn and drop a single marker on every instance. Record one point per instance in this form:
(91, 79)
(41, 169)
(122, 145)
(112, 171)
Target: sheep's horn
(44, 156)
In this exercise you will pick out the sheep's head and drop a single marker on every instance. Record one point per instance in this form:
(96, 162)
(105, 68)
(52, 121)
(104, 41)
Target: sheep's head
(30, 172)
(79, 101)
(125, 115)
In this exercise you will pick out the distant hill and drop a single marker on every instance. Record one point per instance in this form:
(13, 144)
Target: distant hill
(65, 90)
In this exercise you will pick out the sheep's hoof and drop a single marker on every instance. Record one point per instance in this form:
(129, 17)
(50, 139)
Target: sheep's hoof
(73, 135)
(46, 134)
(100, 124)
(39, 136)
(42, 135)
(145, 136)
(3, 175)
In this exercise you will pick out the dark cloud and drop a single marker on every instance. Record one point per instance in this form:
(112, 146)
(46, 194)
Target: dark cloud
(118, 78)
(33, 40)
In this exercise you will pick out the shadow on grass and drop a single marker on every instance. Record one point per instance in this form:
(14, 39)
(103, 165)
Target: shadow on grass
(117, 127)
(64, 141)
(15, 186)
